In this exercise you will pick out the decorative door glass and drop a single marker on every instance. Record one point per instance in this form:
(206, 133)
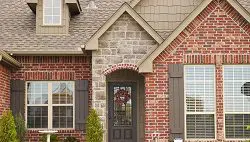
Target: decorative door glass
(122, 106)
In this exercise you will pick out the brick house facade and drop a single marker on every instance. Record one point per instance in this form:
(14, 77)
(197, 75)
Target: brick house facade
(172, 61)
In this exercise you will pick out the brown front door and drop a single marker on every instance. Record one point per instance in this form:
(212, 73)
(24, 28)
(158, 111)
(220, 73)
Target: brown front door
(122, 112)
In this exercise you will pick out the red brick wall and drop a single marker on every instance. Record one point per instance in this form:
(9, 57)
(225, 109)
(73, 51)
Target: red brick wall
(54, 68)
(5, 89)
(219, 35)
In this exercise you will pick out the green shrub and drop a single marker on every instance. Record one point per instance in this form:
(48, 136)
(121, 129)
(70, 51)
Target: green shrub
(70, 139)
(94, 128)
(53, 138)
(7, 128)
(20, 127)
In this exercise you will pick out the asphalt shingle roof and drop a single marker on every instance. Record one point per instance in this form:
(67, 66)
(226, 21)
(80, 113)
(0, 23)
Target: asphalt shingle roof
(18, 26)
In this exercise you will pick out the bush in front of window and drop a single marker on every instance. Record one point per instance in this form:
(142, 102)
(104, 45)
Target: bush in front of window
(70, 139)
(53, 138)
(20, 127)
(94, 128)
(7, 128)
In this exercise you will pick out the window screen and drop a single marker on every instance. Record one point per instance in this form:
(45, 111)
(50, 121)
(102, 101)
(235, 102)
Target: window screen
(237, 101)
(200, 101)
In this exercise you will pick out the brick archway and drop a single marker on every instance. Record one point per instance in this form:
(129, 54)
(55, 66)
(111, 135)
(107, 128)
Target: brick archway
(116, 67)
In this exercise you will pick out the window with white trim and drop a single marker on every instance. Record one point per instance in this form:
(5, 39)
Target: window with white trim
(50, 104)
(237, 101)
(52, 12)
(199, 101)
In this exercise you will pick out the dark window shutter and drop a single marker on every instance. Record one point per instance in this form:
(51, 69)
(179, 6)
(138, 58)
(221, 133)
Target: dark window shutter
(176, 101)
(17, 97)
(81, 104)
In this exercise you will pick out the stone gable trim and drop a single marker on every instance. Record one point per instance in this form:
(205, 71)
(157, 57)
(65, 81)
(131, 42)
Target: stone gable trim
(92, 44)
(133, 3)
(190, 23)
(120, 67)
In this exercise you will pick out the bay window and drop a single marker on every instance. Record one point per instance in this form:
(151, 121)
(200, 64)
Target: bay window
(237, 101)
(50, 104)
(199, 101)
(52, 12)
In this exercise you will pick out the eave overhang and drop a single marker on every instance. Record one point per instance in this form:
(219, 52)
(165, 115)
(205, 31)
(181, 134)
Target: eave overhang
(74, 6)
(32, 4)
(5, 58)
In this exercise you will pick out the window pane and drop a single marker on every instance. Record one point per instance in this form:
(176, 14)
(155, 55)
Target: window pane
(37, 117)
(52, 12)
(200, 98)
(56, 20)
(236, 88)
(62, 93)
(199, 88)
(237, 100)
(37, 93)
(56, 11)
(62, 117)
(56, 3)
(48, 3)
(200, 126)
(236, 126)
(48, 12)
(48, 19)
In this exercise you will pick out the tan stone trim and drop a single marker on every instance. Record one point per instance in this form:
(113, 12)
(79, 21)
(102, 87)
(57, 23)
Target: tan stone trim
(92, 44)
(235, 4)
(146, 64)
(6, 58)
(133, 3)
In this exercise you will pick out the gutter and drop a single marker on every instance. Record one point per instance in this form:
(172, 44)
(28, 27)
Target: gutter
(7, 59)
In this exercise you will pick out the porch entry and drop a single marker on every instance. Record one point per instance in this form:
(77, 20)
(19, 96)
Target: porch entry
(122, 111)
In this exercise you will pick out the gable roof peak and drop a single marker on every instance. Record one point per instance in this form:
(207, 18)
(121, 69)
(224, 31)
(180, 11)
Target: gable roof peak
(92, 44)
(146, 64)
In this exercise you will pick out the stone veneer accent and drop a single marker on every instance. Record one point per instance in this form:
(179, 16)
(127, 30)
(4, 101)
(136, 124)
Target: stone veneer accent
(120, 47)
(5, 89)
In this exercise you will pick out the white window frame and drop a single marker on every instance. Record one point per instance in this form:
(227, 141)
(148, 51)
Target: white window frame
(49, 105)
(214, 113)
(224, 107)
(52, 24)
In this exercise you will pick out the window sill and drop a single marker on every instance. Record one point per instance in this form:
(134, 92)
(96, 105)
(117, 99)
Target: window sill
(57, 129)
(198, 139)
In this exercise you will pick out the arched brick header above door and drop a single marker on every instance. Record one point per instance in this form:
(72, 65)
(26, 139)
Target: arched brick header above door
(116, 67)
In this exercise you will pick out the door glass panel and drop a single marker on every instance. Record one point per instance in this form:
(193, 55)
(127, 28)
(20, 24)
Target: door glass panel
(122, 106)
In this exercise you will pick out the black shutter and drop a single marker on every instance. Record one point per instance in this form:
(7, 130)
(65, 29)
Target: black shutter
(17, 97)
(81, 104)
(176, 101)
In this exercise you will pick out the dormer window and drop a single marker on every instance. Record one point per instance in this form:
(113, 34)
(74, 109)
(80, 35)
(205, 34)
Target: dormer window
(52, 10)
(53, 16)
